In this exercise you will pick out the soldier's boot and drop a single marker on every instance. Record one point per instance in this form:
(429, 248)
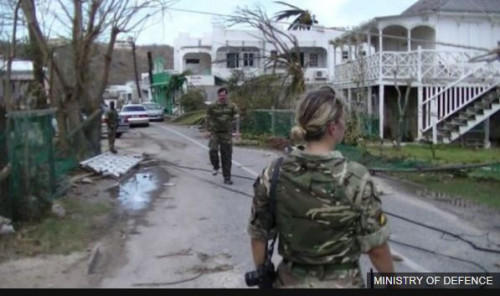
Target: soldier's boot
(111, 142)
(225, 153)
(214, 160)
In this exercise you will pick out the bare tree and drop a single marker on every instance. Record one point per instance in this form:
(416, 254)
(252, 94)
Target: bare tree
(286, 46)
(8, 33)
(90, 23)
(357, 107)
(402, 105)
(9, 57)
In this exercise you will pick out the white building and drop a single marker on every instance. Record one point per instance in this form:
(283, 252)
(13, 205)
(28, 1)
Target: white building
(213, 57)
(430, 45)
(123, 94)
(21, 77)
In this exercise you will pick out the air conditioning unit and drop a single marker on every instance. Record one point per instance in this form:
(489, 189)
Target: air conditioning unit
(320, 74)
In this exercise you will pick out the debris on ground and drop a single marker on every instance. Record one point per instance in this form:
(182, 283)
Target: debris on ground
(93, 259)
(58, 210)
(5, 226)
(168, 283)
(80, 178)
(87, 181)
(397, 258)
(184, 252)
(169, 184)
(110, 164)
(215, 269)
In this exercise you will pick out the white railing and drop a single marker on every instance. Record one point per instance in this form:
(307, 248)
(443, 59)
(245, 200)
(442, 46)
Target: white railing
(449, 64)
(440, 102)
(446, 102)
(422, 65)
(352, 71)
(400, 65)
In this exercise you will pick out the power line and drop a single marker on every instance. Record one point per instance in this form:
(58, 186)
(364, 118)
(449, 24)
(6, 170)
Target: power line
(392, 240)
(457, 236)
(439, 254)
(344, 30)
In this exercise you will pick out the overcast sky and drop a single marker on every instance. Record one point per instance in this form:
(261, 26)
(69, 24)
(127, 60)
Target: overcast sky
(329, 13)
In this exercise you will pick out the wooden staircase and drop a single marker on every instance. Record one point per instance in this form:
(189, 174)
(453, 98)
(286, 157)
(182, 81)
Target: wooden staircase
(468, 118)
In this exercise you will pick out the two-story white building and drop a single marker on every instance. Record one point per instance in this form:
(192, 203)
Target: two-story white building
(212, 58)
(429, 47)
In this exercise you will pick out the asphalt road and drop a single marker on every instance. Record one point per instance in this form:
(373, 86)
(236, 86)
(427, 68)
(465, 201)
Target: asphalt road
(195, 234)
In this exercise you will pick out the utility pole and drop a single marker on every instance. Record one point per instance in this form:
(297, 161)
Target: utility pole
(132, 42)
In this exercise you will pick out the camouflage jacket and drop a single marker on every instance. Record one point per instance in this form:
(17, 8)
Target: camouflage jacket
(112, 119)
(327, 209)
(220, 117)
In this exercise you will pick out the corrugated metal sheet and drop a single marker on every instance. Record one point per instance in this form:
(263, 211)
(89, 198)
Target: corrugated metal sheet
(110, 164)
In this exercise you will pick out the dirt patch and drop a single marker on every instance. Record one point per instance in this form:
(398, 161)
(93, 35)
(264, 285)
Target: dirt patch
(55, 252)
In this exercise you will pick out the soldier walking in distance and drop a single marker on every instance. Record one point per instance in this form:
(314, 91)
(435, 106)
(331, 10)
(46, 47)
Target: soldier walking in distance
(323, 208)
(220, 117)
(112, 123)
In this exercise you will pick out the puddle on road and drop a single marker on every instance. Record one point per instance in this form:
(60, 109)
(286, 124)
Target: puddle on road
(138, 191)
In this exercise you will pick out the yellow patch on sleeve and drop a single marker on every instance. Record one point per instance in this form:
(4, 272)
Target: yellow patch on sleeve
(382, 219)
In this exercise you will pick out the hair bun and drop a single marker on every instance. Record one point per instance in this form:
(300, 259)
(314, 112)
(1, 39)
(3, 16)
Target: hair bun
(298, 133)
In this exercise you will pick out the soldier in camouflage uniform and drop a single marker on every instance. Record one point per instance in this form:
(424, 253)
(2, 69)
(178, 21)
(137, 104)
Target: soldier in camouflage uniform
(112, 123)
(220, 117)
(327, 211)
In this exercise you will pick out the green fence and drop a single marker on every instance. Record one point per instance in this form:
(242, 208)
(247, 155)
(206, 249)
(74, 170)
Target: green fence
(36, 167)
(278, 123)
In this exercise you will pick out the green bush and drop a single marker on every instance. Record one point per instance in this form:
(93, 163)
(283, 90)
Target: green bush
(193, 100)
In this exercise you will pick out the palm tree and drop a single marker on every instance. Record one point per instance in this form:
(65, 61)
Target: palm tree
(174, 85)
(286, 57)
(303, 21)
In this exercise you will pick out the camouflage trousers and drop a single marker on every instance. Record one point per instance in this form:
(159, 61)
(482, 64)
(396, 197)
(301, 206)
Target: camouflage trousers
(222, 141)
(111, 138)
(289, 277)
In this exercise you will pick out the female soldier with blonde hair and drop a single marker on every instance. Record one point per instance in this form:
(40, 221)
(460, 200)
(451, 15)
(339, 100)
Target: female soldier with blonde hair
(326, 211)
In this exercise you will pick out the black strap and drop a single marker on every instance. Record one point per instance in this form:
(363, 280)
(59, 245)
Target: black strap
(272, 205)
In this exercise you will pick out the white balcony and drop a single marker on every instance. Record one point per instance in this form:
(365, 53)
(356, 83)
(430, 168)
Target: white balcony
(425, 66)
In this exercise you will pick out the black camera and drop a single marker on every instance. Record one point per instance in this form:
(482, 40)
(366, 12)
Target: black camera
(263, 277)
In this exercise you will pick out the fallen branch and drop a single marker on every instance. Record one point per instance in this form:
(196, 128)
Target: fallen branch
(78, 178)
(167, 283)
(186, 252)
(435, 169)
(5, 172)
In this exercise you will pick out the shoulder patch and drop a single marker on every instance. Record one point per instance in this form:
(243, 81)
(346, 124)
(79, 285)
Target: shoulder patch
(382, 219)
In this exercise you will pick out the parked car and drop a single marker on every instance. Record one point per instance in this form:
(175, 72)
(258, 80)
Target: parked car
(135, 114)
(155, 111)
